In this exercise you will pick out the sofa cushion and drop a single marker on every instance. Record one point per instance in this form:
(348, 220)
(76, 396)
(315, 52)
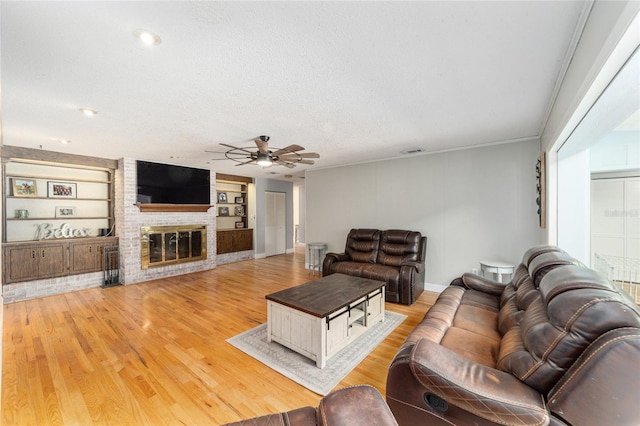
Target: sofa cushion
(362, 245)
(398, 247)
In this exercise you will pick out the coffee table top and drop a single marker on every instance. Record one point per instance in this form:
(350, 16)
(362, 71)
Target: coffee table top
(326, 295)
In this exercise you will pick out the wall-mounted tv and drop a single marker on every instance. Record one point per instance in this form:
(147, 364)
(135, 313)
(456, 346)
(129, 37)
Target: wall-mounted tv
(168, 184)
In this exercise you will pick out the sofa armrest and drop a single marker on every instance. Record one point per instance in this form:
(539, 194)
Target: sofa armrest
(355, 405)
(476, 282)
(419, 267)
(330, 259)
(486, 392)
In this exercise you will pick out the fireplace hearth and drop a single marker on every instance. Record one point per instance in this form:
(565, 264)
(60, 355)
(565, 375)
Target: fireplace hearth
(168, 245)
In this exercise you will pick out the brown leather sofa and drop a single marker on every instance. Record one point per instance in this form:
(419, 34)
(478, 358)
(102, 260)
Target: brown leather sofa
(395, 257)
(558, 345)
(352, 406)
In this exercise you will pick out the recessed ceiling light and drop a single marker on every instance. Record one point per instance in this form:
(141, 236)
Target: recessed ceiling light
(147, 37)
(64, 141)
(174, 157)
(88, 112)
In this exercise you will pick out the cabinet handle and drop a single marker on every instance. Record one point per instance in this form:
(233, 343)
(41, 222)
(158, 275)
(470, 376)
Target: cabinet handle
(42, 253)
(33, 254)
(90, 247)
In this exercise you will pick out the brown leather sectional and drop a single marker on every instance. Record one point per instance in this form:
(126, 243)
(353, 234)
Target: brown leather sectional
(356, 405)
(558, 345)
(396, 257)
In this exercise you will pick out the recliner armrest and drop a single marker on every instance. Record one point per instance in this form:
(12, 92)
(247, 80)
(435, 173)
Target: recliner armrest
(419, 267)
(338, 257)
(355, 405)
(486, 392)
(476, 282)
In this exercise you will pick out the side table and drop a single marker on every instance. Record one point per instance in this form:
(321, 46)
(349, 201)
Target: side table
(315, 254)
(497, 268)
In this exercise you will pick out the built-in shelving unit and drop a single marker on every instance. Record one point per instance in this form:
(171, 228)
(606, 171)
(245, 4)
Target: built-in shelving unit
(232, 207)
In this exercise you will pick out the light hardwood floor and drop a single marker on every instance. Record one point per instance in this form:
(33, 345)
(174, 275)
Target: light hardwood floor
(155, 353)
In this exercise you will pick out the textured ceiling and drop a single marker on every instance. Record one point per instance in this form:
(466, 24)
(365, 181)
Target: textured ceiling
(353, 81)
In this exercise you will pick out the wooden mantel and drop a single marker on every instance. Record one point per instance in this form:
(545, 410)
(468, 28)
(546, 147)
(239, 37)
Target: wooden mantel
(172, 208)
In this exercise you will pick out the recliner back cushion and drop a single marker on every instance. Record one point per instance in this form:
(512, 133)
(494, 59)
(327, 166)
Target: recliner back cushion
(574, 306)
(398, 247)
(362, 245)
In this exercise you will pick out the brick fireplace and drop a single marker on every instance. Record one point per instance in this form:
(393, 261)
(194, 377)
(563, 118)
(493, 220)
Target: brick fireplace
(167, 245)
(130, 221)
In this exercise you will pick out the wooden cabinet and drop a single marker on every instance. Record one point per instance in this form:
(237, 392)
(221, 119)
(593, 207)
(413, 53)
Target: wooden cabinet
(87, 257)
(233, 240)
(34, 261)
(49, 259)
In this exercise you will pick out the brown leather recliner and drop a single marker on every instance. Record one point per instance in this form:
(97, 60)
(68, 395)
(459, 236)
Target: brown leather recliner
(352, 406)
(396, 257)
(558, 345)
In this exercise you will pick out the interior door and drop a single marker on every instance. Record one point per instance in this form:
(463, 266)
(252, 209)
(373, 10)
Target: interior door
(275, 223)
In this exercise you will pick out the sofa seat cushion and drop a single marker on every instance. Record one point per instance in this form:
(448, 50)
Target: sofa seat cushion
(373, 271)
(464, 321)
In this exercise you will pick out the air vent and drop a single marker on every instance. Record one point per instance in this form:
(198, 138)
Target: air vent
(412, 151)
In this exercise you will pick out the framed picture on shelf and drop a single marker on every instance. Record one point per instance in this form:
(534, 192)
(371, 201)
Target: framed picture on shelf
(239, 225)
(239, 200)
(223, 211)
(24, 187)
(239, 211)
(222, 197)
(61, 190)
(64, 212)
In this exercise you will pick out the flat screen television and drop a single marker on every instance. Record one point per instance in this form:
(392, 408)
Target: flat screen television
(168, 184)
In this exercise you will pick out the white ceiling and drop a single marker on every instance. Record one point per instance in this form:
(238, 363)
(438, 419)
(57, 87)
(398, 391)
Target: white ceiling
(353, 81)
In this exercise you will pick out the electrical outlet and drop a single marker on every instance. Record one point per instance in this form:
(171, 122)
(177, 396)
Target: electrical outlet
(474, 271)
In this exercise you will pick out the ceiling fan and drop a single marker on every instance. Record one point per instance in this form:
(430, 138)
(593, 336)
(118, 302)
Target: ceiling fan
(265, 157)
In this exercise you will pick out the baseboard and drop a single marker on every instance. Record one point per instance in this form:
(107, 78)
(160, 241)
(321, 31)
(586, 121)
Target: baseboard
(289, 251)
(260, 256)
(438, 288)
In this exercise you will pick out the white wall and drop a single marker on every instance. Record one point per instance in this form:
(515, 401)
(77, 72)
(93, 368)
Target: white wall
(475, 204)
(574, 201)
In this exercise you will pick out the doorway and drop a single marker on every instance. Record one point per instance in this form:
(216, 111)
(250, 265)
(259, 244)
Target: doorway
(275, 223)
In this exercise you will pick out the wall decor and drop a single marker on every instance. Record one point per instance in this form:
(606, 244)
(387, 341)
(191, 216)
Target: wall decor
(239, 211)
(46, 231)
(61, 189)
(541, 190)
(239, 200)
(223, 211)
(24, 187)
(239, 225)
(63, 212)
(222, 197)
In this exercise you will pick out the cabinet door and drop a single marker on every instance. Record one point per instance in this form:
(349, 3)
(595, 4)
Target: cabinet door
(84, 258)
(224, 242)
(52, 261)
(20, 264)
(243, 240)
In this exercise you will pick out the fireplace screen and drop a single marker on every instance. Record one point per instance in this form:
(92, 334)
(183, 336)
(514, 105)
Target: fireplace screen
(166, 245)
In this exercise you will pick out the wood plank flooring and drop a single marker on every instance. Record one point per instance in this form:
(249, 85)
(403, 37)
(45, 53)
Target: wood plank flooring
(155, 353)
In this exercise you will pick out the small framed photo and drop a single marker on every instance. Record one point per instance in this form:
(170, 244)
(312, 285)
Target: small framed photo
(222, 197)
(223, 211)
(64, 212)
(61, 190)
(239, 211)
(239, 225)
(239, 200)
(24, 187)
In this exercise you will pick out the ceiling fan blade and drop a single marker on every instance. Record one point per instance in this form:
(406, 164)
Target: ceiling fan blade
(246, 162)
(235, 147)
(305, 162)
(286, 164)
(263, 146)
(293, 156)
(290, 148)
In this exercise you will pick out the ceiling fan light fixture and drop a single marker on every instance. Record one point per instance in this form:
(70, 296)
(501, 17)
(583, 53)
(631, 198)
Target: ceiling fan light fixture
(264, 160)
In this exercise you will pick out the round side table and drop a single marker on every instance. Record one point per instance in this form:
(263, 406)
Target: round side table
(315, 254)
(497, 269)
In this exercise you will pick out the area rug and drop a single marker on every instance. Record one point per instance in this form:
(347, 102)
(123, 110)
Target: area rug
(303, 370)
